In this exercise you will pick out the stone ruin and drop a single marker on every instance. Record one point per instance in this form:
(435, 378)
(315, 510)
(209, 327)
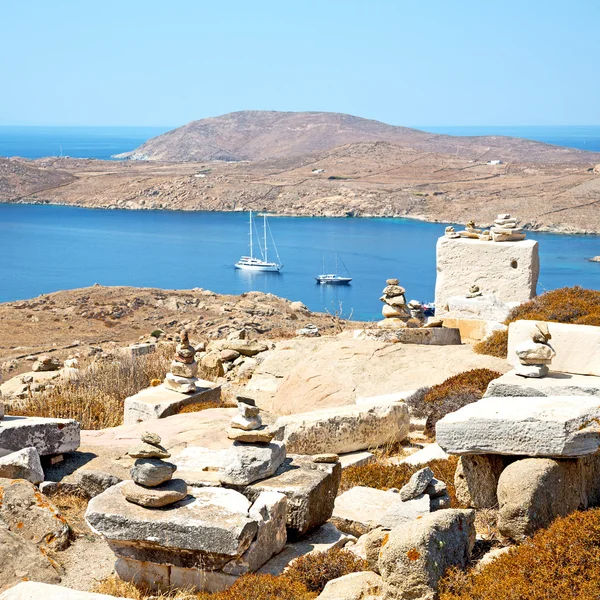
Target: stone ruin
(184, 368)
(536, 354)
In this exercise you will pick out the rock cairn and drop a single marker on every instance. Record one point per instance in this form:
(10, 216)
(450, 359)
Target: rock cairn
(247, 425)
(536, 354)
(451, 233)
(470, 231)
(395, 312)
(506, 229)
(474, 292)
(416, 310)
(152, 485)
(184, 368)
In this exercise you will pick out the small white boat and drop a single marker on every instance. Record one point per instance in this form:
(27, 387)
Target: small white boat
(333, 278)
(253, 263)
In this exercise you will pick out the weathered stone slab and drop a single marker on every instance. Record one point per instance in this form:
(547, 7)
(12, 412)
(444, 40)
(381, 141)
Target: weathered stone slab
(160, 402)
(577, 346)
(361, 509)
(345, 428)
(239, 465)
(23, 464)
(29, 590)
(426, 454)
(434, 336)
(47, 436)
(310, 489)
(554, 384)
(551, 426)
(509, 270)
(213, 526)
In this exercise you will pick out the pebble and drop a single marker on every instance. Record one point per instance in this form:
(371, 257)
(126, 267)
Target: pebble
(145, 450)
(151, 438)
(168, 493)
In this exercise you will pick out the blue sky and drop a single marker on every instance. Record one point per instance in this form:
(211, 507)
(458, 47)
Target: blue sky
(167, 62)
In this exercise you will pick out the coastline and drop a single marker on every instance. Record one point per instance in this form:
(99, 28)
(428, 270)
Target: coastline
(567, 230)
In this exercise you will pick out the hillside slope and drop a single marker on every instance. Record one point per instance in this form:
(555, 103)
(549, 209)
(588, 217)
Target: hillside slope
(19, 178)
(258, 135)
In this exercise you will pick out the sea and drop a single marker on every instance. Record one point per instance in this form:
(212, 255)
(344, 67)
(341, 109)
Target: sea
(48, 248)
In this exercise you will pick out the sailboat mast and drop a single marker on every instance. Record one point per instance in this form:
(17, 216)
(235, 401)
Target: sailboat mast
(251, 250)
(265, 236)
(336, 263)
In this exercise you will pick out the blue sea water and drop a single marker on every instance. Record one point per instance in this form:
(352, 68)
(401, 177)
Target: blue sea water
(49, 248)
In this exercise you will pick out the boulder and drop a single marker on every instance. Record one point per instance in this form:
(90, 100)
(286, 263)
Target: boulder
(152, 471)
(23, 560)
(346, 428)
(417, 554)
(361, 509)
(549, 426)
(364, 585)
(211, 366)
(476, 480)
(577, 346)
(26, 511)
(23, 464)
(92, 483)
(417, 484)
(251, 462)
(29, 590)
(270, 512)
(373, 541)
(244, 347)
(534, 491)
(508, 270)
(47, 436)
(310, 490)
(46, 363)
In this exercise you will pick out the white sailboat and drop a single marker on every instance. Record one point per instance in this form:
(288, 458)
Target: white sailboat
(333, 278)
(252, 263)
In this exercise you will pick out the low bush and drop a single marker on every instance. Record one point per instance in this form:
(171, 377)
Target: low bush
(454, 393)
(566, 305)
(316, 569)
(96, 398)
(561, 562)
(385, 477)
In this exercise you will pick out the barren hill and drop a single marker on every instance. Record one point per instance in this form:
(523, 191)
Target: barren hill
(257, 135)
(20, 178)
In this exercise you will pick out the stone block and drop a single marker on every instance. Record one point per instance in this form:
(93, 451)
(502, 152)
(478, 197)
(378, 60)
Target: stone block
(345, 428)
(417, 554)
(551, 426)
(554, 384)
(354, 586)
(200, 579)
(486, 307)
(23, 464)
(311, 490)
(47, 436)
(160, 402)
(211, 527)
(143, 573)
(473, 330)
(508, 270)
(361, 509)
(476, 480)
(577, 346)
(434, 336)
(30, 590)
(425, 455)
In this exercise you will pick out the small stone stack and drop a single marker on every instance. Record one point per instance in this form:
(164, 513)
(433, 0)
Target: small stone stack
(152, 485)
(416, 310)
(395, 312)
(536, 354)
(505, 229)
(247, 425)
(470, 231)
(474, 291)
(451, 233)
(184, 368)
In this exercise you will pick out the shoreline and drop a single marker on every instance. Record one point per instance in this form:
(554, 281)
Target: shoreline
(526, 226)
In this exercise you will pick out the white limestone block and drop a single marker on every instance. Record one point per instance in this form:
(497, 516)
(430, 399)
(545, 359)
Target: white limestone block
(551, 426)
(554, 384)
(486, 307)
(509, 270)
(577, 346)
(47, 436)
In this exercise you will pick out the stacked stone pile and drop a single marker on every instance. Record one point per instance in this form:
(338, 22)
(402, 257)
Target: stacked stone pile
(424, 482)
(152, 485)
(536, 354)
(247, 426)
(184, 368)
(474, 292)
(416, 311)
(506, 229)
(470, 231)
(395, 311)
(451, 233)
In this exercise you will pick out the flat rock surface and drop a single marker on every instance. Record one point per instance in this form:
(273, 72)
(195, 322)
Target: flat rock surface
(307, 374)
(361, 509)
(551, 426)
(210, 520)
(554, 384)
(47, 436)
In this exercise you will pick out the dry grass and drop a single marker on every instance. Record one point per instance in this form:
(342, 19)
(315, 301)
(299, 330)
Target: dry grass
(566, 305)
(454, 393)
(192, 408)
(304, 580)
(561, 562)
(96, 397)
(72, 507)
(384, 477)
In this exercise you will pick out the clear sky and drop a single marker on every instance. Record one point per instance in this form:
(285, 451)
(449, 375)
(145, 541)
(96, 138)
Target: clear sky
(167, 62)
